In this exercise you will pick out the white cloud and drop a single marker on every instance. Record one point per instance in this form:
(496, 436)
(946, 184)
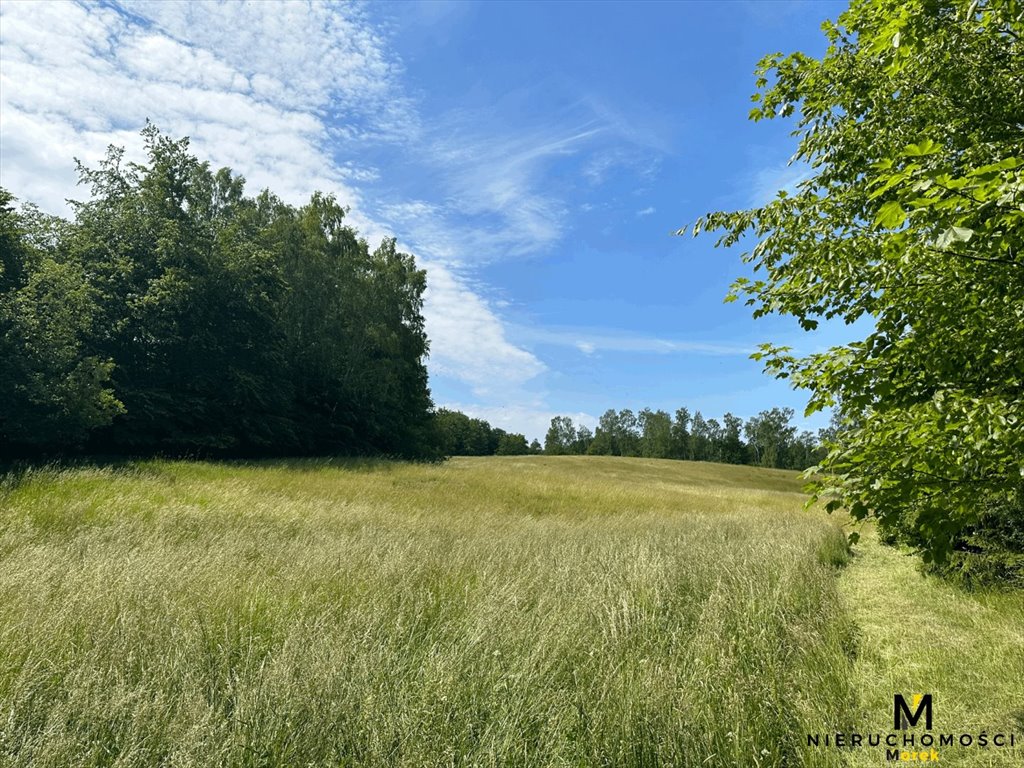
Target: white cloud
(77, 78)
(646, 211)
(322, 58)
(606, 161)
(590, 342)
(491, 181)
(268, 89)
(638, 127)
(468, 340)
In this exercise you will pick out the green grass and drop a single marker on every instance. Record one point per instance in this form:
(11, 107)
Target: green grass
(527, 611)
(921, 635)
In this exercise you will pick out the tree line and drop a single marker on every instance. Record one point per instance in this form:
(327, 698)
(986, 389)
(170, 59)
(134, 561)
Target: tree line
(175, 314)
(462, 435)
(768, 439)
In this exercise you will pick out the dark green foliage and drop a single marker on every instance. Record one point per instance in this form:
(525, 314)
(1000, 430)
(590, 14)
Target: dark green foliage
(188, 302)
(655, 433)
(773, 441)
(986, 552)
(460, 435)
(561, 437)
(733, 450)
(617, 434)
(177, 315)
(700, 439)
(769, 436)
(681, 434)
(512, 444)
(52, 390)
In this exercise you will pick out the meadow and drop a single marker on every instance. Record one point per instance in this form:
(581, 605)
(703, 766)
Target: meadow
(520, 611)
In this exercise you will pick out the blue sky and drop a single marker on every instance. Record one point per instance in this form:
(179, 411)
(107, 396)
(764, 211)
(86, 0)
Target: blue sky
(535, 157)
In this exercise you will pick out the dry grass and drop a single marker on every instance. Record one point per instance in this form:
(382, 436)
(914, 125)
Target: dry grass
(506, 611)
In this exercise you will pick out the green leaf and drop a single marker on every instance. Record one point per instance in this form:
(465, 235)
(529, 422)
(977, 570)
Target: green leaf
(954, 235)
(922, 148)
(889, 183)
(890, 216)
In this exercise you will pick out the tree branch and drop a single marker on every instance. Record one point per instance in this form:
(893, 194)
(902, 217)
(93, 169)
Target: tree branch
(972, 257)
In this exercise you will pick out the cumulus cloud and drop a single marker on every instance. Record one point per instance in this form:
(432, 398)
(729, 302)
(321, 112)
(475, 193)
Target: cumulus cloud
(319, 58)
(272, 90)
(492, 365)
(77, 78)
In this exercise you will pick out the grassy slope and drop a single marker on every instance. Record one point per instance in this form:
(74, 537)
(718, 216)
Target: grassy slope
(920, 635)
(519, 611)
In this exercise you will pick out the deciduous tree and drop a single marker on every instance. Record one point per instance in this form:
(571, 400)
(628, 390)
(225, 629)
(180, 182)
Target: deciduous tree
(911, 216)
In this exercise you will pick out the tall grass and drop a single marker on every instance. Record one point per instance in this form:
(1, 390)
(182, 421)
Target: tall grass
(504, 611)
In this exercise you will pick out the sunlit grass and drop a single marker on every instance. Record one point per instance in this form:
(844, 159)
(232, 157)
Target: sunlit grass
(919, 634)
(522, 611)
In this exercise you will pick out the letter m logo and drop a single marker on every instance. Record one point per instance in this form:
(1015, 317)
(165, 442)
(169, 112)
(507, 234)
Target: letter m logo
(903, 718)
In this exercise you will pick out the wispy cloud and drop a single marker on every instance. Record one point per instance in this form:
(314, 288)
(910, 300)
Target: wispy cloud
(646, 211)
(766, 182)
(469, 341)
(493, 182)
(638, 161)
(592, 341)
(636, 127)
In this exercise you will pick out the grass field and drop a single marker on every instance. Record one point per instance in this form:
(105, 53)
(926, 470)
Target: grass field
(533, 611)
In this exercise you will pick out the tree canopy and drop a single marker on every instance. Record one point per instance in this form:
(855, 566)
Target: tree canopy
(911, 215)
(176, 314)
(462, 435)
(772, 440)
